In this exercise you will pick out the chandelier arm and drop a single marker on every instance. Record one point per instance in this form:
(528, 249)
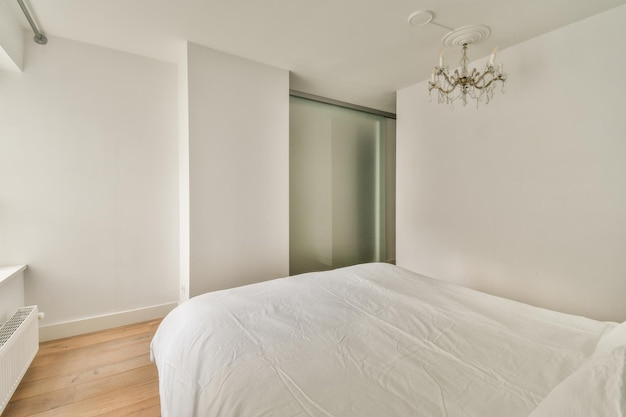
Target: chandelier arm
(483, 87)
(445, 75)
(488, 84)
(441, 89)
(482, 77)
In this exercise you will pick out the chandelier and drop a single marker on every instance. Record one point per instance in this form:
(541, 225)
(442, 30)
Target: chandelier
(463, 83)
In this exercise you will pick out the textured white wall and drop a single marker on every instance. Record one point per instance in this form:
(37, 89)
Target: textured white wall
(525, 197)
(238, 170)
(88, 179)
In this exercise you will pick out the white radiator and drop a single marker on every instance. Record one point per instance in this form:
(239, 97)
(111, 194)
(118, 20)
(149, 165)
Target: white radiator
(19, 342)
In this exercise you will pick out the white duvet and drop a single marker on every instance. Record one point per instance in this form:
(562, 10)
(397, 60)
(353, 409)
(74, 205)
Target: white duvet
(369, 340)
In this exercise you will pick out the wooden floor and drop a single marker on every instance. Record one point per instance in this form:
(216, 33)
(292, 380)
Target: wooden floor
(107, 373)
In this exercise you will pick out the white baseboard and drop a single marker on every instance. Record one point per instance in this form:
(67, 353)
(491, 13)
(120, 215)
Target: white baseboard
(108, 321)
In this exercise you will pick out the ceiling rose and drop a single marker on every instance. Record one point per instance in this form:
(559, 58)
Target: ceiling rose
(465, 35)
(420, 18)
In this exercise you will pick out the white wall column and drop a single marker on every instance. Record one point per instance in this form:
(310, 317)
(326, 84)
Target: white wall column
(238, 170)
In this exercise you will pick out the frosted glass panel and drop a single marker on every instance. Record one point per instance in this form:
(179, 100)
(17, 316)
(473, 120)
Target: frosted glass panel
(337, 196)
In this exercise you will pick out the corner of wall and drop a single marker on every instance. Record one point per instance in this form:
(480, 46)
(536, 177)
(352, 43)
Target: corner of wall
(11, 40)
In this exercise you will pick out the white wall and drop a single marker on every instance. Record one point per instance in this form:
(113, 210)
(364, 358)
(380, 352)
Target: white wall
(525, 197)
(88, 179)
(238, 170)
(11, 40)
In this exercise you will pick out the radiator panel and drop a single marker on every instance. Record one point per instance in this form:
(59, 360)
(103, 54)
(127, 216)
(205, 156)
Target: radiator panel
(19, 343)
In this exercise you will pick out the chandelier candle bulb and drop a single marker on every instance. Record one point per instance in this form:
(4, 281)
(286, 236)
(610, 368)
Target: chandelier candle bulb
(493, 57)
(441, 59)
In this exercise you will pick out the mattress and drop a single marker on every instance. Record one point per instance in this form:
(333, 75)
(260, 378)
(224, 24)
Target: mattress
(368, 340)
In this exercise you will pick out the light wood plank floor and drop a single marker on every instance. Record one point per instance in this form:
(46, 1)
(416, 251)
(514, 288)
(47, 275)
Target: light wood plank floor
(106, 373)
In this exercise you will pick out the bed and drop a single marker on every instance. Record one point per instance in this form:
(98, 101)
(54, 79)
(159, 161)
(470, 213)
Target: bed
(378, 340)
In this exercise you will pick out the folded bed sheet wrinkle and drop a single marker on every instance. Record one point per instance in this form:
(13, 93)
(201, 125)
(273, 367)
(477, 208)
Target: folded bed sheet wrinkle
(442, 398)
(376, 319)
(504, 347)
(489, 376)
(399, 398)
(239, 324)
(302, 398)
(509, 312)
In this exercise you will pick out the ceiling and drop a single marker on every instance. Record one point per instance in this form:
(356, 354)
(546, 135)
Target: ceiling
(358, 51)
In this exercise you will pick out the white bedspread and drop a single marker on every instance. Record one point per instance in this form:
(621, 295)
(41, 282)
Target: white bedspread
(369, 340)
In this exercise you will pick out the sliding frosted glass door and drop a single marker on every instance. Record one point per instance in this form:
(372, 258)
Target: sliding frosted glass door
(337, 186)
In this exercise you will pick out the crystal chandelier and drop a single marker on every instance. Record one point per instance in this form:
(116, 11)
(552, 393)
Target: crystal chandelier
(463, 83)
